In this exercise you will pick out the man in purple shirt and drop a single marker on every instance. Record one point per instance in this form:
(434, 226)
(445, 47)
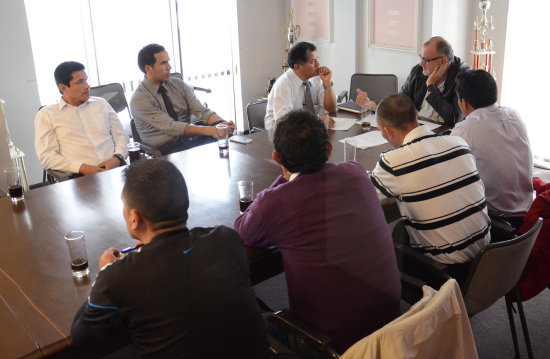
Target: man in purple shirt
(326, 219)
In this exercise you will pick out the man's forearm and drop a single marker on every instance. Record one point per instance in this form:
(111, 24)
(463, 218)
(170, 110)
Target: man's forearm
(192, 130)
(213, 118)
(330, 100)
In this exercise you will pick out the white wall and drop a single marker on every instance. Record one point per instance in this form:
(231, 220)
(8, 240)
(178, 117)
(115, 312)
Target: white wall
(261, 47)
(341, 55)
(452, 20)
(18, 82)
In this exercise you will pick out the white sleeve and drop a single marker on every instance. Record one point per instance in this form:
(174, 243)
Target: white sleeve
(47, 146)
(282, 101)
(384, 182)
(120, 138)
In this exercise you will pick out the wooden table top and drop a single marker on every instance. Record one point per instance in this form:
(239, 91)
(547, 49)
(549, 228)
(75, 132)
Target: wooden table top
(39, 296)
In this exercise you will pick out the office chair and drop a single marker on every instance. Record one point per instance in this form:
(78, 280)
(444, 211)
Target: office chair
(113, 93)
(495, 271)
(255, 113)
(378, 86)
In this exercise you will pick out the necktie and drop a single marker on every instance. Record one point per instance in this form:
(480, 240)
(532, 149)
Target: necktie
(308, 102)
(167, 103)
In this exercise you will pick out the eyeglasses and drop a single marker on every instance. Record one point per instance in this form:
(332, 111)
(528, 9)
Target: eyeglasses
(425, 60)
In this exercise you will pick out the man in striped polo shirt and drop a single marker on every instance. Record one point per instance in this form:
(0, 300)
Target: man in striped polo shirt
(436, 184)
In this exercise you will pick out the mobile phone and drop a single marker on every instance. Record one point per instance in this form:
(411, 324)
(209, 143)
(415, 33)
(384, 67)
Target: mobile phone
(240, 139)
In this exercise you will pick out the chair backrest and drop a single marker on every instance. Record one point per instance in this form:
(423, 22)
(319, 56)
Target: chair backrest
(496, 269)
(255, 113)
(177, 74)
(437, 323)
(114, 94)
(377, 86)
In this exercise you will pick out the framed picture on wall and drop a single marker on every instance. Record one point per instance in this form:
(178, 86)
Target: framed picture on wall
(315, 19)
(393, 24)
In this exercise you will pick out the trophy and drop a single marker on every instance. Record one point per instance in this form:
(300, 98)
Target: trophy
(292, 33)
(483, 48)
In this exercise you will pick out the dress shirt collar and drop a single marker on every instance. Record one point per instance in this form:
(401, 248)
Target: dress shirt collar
(62, 102)
(481, 110)
(420, 131)
(293, 176)
(295, 78)
(152, 87)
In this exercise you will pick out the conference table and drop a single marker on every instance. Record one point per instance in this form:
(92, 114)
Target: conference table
(38, 294)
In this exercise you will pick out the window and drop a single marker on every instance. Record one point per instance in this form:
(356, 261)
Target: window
(106, 36)
(525, 76)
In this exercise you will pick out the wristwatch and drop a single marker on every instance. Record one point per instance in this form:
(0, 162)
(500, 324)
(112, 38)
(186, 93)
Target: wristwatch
(432, 88)
(328, 87)
(120, 158)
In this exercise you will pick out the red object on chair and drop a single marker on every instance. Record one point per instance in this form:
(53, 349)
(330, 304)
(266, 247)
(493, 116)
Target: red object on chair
(536, 275)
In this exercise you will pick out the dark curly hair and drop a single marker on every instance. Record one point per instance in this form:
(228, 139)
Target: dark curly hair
(302, 142)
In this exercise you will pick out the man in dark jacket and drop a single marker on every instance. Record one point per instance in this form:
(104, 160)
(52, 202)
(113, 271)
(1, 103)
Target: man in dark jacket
(431, 83)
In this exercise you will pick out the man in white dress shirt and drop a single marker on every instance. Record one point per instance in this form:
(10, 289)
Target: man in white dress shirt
(498, 139)
(305, 75)
(80, 134)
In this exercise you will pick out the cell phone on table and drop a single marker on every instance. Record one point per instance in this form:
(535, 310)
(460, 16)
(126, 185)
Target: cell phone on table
(240, 139)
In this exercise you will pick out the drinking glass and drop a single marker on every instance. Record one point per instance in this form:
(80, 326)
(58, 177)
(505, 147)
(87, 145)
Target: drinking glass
(246, 194)
(76, 244)
(134, 151)
(13, 180)
(223, 139)
(350, 149)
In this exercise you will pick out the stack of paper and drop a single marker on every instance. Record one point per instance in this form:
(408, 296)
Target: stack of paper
(369, 139)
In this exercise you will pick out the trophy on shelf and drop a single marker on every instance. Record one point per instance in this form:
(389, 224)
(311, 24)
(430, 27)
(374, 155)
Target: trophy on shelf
(292, 33)
(483, 48)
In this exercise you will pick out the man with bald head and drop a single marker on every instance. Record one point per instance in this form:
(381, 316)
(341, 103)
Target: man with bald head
(431, 83)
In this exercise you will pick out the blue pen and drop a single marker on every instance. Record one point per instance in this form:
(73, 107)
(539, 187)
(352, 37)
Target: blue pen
(129, 249)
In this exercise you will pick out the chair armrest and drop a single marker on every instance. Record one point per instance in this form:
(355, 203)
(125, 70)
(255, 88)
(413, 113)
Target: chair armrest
(341, 96)
(501, 230)
(302, 339)
(411, 288)
(59, 176)
(420, 266)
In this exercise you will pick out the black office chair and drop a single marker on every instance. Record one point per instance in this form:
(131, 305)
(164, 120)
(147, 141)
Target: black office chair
(255, 113)
(307, 343)
(113, 93)
(378, 86)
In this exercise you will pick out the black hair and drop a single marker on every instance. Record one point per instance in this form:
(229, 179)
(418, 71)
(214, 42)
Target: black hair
(478, 87)
(397, 110)
(146, 55)
(298, 53)
(442, 47)
(156, 189)
(63, 73)
(301, 141)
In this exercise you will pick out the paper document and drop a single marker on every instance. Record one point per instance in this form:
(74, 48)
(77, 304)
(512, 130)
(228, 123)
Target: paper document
(343, 123)
(369, 139)
(430, 125)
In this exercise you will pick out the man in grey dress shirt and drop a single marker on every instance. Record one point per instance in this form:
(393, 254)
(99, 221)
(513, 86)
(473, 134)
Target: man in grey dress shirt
(162, 107)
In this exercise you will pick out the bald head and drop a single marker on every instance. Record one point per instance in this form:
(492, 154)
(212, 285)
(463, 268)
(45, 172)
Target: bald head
(397, 111)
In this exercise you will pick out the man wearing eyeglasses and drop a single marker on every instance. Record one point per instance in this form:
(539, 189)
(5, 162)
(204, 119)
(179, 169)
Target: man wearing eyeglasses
(431, 83)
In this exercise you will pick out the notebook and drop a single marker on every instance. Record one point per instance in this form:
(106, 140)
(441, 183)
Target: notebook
(350, 106)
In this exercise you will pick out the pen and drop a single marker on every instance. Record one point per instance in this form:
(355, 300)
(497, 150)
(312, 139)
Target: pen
(129, 249)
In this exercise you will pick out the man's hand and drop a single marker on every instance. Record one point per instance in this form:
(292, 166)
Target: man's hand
(325, 74)
(331, 122)
(363, 100)
(437, 76)
(230, 127)
(89, 169)
(112, 162)
(109, 256)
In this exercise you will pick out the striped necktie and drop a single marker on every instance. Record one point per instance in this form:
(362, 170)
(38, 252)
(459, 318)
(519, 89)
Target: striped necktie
(308, 102)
